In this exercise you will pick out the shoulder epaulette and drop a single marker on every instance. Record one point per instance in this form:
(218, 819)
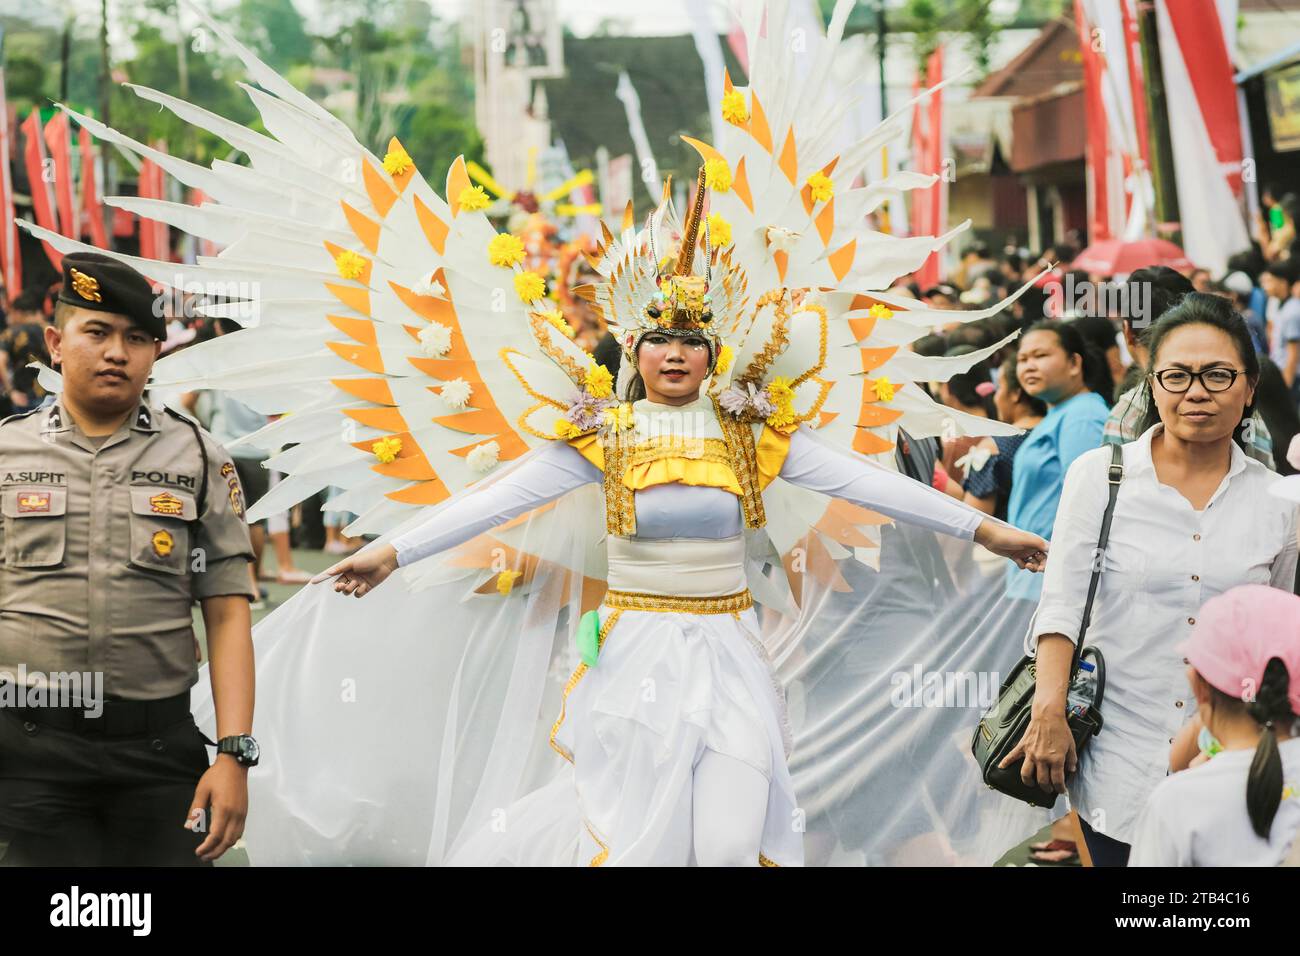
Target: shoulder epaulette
(18, 415)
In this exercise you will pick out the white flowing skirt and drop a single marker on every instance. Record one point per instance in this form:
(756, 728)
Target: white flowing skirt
(667, 688)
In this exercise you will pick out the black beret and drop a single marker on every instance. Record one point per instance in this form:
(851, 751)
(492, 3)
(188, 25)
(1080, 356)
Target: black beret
(92, 280)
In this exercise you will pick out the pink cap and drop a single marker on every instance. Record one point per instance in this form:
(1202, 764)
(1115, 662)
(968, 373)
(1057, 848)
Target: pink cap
(1238, 632)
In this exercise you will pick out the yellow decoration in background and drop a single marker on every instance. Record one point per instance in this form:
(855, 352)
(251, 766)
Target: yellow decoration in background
(884, 389)
(505, 250)
(717, 175)
(566, 429)
(726, 355)
(349, 264)
(556, 318)
(386, 449)
(506, 581)
(598, 381)
(397, 161)
(473, 199)
(530, 286)
(719, 231)
(822, 186)
(734, 110)
(879, 311)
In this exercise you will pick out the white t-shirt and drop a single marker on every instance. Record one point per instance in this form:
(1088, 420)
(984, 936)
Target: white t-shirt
(1198, 817)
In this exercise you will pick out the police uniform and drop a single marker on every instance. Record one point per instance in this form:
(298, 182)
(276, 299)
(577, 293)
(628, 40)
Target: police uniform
(106, 544)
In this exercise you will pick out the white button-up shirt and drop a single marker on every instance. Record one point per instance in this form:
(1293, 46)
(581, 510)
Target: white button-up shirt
(1164, 560)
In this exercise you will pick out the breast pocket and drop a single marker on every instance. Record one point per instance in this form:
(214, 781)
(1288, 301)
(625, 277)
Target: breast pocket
(160, 529)
(35, 526)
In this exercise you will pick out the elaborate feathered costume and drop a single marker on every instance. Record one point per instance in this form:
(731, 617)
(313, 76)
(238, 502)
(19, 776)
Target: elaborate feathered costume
(418, 368)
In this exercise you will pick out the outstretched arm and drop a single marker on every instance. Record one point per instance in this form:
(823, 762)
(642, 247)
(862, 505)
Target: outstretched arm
(555, 470)
(817, 466)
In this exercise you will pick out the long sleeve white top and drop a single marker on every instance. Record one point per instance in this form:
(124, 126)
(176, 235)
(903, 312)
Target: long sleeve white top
(1163, 561)
(683, 511)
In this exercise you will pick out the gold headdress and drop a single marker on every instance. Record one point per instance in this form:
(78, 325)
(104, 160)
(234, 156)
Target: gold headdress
(682, 305)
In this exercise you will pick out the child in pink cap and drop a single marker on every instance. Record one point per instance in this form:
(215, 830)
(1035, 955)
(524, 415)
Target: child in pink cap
(1242, 806)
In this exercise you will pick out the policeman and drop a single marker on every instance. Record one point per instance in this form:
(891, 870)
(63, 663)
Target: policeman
(117, 517)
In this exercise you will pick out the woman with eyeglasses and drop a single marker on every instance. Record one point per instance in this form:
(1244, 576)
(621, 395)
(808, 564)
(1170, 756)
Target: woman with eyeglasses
(1193, 519)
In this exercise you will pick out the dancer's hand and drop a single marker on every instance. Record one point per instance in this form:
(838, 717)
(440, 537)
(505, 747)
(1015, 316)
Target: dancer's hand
(1029, 551)
(362, 572)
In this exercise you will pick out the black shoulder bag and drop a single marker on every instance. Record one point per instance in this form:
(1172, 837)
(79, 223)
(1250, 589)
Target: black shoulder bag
(1004, 724)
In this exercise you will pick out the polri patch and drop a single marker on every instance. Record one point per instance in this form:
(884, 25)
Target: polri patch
(166, 503)
(30, 501)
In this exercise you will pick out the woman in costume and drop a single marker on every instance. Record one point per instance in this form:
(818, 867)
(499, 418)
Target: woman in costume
(698, 763)
(418, 366)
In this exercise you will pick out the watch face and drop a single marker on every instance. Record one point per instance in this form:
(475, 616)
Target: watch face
(250, 749)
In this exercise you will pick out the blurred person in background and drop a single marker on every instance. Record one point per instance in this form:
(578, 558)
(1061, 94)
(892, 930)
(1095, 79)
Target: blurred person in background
(1054, 366)
(21, 343)
(1101, 335)
(1241, 291)
(991, 463)
(1281, 281)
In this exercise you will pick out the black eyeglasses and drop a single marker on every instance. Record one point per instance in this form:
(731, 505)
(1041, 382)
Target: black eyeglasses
(1179, 380)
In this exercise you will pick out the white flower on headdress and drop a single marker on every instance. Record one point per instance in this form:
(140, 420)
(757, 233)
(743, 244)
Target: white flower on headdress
(781, 239)
(456, 393)
(430, 286)
(483, 458)
(435, 340)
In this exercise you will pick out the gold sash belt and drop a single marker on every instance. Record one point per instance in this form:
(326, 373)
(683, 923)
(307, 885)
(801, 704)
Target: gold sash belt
(632, 601)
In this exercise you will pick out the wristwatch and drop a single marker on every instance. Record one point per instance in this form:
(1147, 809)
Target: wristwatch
(242, 747)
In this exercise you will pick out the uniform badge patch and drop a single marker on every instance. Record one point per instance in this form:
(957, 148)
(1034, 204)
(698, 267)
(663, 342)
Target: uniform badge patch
(166, 503)
(86, 286)
(227, 470)
(162, 543)
(236, 499)
(30, 501)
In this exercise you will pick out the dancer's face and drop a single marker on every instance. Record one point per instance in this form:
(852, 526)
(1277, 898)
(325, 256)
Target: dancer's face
(673, 367)
(1199, 414)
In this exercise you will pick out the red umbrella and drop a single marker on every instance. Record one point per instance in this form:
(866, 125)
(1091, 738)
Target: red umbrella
(1114, 256)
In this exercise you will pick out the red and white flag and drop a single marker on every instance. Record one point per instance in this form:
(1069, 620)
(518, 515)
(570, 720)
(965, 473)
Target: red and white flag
(929, 206)
(58, 140)
(11, 262)
(1204, 130)
(40, 176)
(155, 241)
(92, 209)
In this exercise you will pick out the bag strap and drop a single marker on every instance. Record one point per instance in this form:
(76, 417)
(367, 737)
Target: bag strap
(1114, 475)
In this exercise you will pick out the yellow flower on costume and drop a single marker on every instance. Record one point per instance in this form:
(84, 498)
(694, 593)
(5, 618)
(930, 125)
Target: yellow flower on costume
(556, 318)
(884, 389)
(349, 264)
(505, 250)
(598, 381)
(717, 175)
(726, 355)
(566, 429)
(779, 391)
(734, 110)
(473, 199)
(620, 416)
(719, 231)
(397, 161)
(879, 311)
(530, 286)
(822, 187)
(386, 449)
(506, 581)
(782, 419)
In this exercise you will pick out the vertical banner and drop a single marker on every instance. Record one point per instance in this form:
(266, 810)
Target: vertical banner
(709, 48)
(928, 205)
(11, 263)
(39, 174)
(154, 236)
(58, 140)
(1204, 130)
(1096, 149)
(92, 209)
